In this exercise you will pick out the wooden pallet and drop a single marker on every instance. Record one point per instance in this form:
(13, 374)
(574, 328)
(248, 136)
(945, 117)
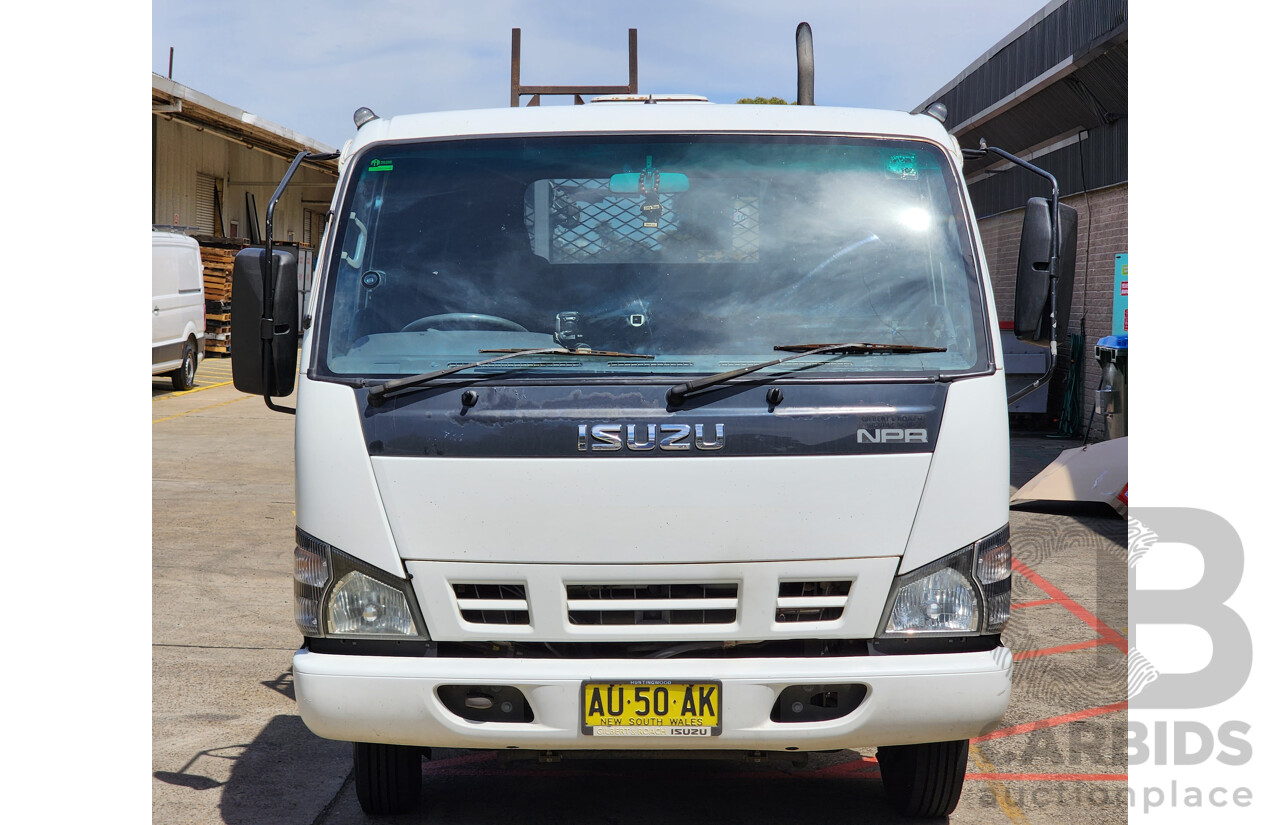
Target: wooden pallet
(219, 259)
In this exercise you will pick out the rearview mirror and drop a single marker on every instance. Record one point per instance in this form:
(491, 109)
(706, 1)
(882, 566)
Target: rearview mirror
(662, 182)
(1032, 295)
(264, 351)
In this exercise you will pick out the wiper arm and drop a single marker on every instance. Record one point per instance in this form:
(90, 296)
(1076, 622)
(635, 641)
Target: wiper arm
(676, 395)
(380, 392)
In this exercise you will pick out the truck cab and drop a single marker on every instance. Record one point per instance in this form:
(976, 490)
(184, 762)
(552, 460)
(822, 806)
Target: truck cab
(645, 427)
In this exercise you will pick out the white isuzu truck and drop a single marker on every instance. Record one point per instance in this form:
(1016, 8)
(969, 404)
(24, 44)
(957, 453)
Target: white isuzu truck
(649, 424)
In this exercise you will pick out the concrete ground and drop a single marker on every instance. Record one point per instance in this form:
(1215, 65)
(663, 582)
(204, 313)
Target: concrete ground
(228, 746)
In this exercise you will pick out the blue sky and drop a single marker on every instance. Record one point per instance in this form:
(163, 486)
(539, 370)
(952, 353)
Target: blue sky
(308, 65)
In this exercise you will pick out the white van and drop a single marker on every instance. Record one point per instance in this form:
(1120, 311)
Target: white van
(561, 485)
(177, 307)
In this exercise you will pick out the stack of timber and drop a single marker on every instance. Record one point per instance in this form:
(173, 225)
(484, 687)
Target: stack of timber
(218, 256)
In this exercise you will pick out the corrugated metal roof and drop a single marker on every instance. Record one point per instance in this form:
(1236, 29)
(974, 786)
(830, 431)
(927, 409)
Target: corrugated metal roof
(173, 100)
(1063, 72)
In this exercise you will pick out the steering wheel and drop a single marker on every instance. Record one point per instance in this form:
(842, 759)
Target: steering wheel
(469, 320)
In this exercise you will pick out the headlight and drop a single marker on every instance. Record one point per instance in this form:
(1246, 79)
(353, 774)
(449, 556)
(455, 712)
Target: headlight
(338, 596)
(964, 593)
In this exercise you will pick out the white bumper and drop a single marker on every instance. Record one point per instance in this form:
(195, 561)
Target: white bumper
(916, 698)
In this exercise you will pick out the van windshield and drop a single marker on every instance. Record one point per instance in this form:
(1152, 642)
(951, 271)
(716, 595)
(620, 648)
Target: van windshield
(704, 252)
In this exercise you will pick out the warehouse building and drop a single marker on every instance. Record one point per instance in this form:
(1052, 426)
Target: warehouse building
(213, 170)
(1054, 92)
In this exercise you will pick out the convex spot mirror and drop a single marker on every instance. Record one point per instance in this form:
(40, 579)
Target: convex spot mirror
(247, 326)
(1031, 311)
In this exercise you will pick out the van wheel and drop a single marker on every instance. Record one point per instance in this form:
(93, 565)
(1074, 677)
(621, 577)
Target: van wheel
(924, 780)
(388, 777)
(184, 377)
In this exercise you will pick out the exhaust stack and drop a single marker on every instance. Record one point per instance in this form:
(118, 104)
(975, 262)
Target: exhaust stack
(804, 65)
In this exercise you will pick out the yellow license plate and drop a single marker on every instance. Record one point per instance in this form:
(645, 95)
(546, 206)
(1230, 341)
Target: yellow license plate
(651, 707)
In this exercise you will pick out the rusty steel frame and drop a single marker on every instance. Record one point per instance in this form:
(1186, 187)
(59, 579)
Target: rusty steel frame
(517, 91)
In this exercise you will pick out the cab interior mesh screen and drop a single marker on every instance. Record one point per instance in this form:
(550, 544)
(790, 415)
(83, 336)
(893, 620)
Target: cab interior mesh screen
(579, 220)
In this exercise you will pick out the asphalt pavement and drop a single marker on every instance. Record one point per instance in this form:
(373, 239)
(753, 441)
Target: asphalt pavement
(229, 747)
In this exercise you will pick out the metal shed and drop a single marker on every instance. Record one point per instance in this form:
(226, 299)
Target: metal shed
(1055, 91)
(215, 166)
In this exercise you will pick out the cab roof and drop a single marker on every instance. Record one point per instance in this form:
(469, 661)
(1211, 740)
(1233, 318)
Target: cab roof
(671, 116)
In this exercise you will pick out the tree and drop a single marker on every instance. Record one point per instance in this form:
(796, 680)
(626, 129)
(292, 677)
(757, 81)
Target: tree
(773, 100)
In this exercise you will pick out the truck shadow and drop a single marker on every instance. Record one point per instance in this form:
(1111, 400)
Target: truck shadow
(473, 787)
(250, 777)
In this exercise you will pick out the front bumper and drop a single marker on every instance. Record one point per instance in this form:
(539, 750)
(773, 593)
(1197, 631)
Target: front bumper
(910, 698)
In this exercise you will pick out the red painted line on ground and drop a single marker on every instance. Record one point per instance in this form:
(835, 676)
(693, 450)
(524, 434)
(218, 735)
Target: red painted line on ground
(1049, 651)
(1036, 603)
(856, 766)
(1049, 777)
(1109, 636)
(1052, 721)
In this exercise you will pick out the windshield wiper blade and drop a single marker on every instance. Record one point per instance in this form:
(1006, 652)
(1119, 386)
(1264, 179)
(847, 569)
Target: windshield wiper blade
(676, 395)
(867, 349)
(380, 392)
(561, 351)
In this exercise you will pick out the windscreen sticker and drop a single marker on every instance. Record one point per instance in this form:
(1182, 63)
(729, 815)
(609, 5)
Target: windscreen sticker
(376, 165)
(901, 165)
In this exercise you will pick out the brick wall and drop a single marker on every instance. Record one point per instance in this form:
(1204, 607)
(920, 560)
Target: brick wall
(1102, 232)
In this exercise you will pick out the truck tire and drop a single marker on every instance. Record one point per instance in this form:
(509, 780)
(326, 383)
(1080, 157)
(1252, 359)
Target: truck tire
(388, 777)
(184, 377)
(924, 780)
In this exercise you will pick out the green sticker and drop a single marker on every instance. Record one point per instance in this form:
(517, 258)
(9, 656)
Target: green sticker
(376, 165)
(902, 165)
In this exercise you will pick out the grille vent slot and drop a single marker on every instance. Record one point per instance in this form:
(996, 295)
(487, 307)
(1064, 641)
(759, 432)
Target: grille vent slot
(661, 604)
(811, 601)
(484, 603)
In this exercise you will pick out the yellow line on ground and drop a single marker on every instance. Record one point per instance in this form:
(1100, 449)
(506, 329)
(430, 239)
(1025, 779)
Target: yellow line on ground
(200, 409)
(177, 393)
(1003, 798)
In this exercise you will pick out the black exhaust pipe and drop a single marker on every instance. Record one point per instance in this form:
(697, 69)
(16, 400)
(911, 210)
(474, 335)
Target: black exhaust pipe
(804, 64)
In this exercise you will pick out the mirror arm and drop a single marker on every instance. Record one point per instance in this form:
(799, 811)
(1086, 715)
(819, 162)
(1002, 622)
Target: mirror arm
(1055, 252)
(269, 279)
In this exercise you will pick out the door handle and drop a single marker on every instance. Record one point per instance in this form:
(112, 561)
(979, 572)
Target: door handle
(155, 310)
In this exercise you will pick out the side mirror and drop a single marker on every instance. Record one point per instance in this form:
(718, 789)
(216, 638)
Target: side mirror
(264, 350)
(1032, 293)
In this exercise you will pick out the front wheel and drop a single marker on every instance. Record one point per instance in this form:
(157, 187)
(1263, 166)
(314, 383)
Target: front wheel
(184, 377)
(924, 780)
(388, 777)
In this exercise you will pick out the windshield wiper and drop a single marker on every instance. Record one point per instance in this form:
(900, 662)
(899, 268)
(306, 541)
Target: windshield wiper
(562, 351)
(380, 392)
(676, 395)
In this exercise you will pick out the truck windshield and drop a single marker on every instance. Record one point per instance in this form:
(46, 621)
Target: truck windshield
(702, 251)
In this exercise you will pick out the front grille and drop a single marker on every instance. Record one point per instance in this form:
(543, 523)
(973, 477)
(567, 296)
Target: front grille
(811, 601)
(662, 604)
(505, 604)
